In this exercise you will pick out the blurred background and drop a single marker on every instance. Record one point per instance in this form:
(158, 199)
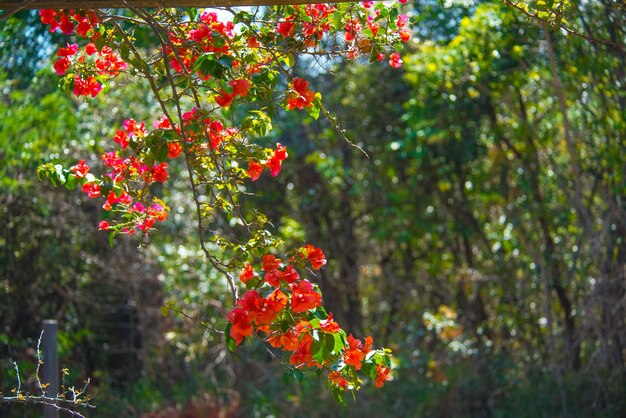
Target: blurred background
(482, 238)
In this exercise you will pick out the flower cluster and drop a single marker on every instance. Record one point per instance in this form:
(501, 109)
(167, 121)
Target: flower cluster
(300, 96)
(274, 162)
(84, 24)
(232, 75)
(131, 172)
(285, 310)
(95, 64)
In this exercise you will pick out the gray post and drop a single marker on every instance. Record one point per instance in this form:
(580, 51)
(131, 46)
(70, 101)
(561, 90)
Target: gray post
(50, 366)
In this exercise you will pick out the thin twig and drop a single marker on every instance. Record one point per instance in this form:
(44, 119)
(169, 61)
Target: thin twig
(542, 21)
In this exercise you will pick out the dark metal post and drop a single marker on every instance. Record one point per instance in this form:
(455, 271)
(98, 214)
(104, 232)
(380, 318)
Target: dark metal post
(50, 366)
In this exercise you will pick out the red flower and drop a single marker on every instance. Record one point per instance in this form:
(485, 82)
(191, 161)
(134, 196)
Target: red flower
(145, 224)
(270, 262)
(86, 25)
(240, 87)
(241, 326)
(103, 226)
(224, 100)
(336, 379)
(191, 115)
(374, 27)
(276, 160)
(254, 170)
(80, 170)
(112, 198)
(301, 96)
(262, 311)
(402, 20)
(291, 275)
(405, 35)
(109, 63)
(274, 165)
(162, 123)
(47, 16)
(288, 341)
(316, 256)
(88, 87)
(273, 304)
(285, 28)
(159, 172)
(91, 49)
(247, 273)
(281, 152)
(383, 374)
(302, 355)
(304, 296)
(83, 28)
(62, 65)
(92, 190)
(216, 133)
(351, 29)
(273, 277)
(353, 354)
(157, 211)
(66, 26)
(329, 325)
(367, 346)
(173, 149)
(69, 51)
(395, 61)
(121, 138)
(252, 42)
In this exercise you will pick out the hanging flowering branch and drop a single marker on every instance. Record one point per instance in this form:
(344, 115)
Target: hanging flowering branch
(286, 311)
(217, 83)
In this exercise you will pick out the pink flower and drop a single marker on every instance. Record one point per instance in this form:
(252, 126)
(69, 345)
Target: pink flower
(395, 61)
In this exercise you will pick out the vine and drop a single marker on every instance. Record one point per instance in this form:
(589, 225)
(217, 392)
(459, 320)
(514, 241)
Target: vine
(217, 82)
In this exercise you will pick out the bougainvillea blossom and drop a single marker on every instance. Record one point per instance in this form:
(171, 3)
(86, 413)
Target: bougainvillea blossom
(81, 169)
(233, 78)
(301, 96)
(290, 318)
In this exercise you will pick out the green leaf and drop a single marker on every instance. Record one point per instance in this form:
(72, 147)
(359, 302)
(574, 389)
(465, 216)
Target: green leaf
(314, 111)
(165, 309)
(374, 54)
(230, 341)
(329, 345)
(207, 64)
(71, 182)
(192, 12)
(161, 153)
(226, 61)
(315, 322)
(338, 342)
(287, 377)
(338, 394)
(100, 42)
(317, 351)
(241, 16)
(293, 374)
